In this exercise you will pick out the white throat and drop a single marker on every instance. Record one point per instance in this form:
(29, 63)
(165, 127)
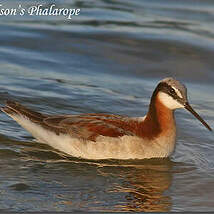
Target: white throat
(168, 101)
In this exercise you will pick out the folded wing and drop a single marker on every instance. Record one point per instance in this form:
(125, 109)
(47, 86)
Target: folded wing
(90, 126)
(84, 126)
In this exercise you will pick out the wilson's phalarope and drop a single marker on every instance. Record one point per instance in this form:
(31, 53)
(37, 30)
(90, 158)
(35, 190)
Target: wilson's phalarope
(101, 136)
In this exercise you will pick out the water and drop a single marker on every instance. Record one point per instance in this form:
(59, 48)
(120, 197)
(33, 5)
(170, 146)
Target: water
(107, 59)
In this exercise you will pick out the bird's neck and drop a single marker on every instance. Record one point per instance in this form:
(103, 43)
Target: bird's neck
(159, 119)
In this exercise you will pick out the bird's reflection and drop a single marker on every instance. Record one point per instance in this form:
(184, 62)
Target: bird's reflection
(143, 185)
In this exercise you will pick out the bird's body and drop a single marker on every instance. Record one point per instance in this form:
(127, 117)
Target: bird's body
(102, 136)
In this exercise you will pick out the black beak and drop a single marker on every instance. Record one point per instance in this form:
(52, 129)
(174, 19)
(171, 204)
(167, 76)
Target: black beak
(190, 109)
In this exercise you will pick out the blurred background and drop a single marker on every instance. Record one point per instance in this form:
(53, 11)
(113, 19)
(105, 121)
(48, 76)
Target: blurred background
(107, 59)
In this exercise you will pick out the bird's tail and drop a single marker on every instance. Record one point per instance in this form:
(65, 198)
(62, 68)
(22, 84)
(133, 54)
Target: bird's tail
(13, 108)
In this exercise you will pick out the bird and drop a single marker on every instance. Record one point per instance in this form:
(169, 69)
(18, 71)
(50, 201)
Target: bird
(108, 136)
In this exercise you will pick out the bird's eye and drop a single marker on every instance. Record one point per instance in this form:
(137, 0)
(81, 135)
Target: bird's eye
(172, 91)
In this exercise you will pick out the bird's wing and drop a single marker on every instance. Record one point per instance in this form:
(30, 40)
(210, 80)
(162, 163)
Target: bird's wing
(90, 126)
(85, 126)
